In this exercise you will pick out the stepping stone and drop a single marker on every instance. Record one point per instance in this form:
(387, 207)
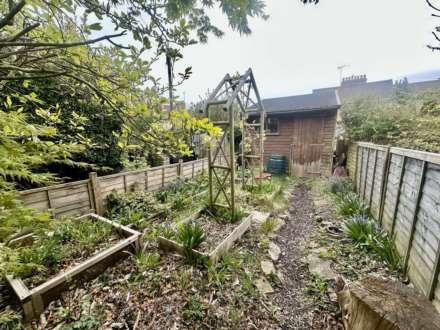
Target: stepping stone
(263, 286)
(321, 267)
(267, 267)
(259, 217)
(274, 251)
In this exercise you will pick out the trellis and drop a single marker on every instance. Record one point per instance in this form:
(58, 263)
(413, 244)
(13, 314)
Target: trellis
(237, 96)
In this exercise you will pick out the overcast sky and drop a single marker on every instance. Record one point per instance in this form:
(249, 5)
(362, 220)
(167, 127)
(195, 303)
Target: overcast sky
(299, 47)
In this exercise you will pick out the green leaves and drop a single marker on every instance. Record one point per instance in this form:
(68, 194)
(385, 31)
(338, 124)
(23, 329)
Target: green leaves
(95, 26)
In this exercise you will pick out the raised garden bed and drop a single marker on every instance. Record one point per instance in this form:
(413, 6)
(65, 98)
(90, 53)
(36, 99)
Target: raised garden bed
(35, 299)
(220, 237)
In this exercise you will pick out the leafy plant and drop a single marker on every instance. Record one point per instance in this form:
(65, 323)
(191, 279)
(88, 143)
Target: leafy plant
(146, 261)
(369, 235)
(359, 228)
(194, 309)
(190, 235)
(384, 247)
(351, 204)
(10, 320)
(268, 225)
(184, 279)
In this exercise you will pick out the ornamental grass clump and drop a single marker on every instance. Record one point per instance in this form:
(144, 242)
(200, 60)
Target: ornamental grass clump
(351, 204)
(190, 235)
(365, 231)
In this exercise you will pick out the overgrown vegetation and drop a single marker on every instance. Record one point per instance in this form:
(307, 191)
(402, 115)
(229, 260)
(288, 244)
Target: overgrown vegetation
(409, 120)
(54, 247)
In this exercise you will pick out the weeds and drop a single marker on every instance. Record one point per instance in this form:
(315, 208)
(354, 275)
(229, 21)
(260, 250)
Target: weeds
(340, 185)
(10, 320)
(268, 225)
(317, 286)
(194, 309)
(184, 280)
(147, 261)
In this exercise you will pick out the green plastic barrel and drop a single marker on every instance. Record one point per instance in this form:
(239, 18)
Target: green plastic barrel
(277, 164)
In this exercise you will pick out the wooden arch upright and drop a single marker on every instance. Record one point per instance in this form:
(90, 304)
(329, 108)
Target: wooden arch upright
(238, 97)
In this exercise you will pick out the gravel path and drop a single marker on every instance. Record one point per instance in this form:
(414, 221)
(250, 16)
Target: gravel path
(297, 307)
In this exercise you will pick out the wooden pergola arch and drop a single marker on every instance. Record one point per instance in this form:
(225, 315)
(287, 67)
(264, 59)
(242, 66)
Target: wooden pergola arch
(238, 97)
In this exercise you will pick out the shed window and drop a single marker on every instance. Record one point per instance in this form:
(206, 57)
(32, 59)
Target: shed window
(271, 125)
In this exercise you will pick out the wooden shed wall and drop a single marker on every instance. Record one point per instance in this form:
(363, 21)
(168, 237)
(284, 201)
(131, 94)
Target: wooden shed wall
(298, 133)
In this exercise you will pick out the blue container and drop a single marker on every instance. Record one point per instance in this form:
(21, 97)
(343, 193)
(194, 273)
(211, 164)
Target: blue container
(277, 164)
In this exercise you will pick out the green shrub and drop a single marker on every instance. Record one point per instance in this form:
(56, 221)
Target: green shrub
(340, 185)
(351, 204)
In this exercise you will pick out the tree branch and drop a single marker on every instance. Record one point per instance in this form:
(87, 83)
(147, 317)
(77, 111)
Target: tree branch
(13, 11)
(432, 6)
(61, 45)
(24, 31)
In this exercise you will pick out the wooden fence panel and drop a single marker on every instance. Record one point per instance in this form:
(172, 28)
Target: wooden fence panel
(81, 197)
(403, 189)
(407, 204)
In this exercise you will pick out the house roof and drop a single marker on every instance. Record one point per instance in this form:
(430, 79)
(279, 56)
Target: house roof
(353, 89)
(300, 103)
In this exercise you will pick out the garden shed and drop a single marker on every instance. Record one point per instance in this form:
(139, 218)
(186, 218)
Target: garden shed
(302, 128)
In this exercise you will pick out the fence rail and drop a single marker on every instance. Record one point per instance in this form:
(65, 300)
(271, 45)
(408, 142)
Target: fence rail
(402, 187)
(85, 196)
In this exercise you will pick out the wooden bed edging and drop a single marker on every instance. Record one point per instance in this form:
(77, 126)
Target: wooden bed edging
(34, 301)
(215, 255)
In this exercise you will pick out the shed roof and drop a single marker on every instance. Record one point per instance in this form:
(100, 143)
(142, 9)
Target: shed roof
(300, 103)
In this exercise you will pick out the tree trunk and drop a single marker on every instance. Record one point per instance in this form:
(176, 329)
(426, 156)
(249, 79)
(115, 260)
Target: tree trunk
(376, 304)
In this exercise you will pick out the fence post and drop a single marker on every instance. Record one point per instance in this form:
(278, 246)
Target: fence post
(373, 180)
(433, 281)
(361, 164)
(366, 173)
(396, 204)
(96, 193)
(146, 181)
(180, 168)
(384, 183)
(356, 163)
(414, 219)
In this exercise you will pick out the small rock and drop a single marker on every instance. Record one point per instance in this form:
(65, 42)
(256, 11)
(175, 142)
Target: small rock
(281, 277)
(263, 286)
(259, 217)
(267, 267)
(117, 325)
(274, 251)
(320, 267)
